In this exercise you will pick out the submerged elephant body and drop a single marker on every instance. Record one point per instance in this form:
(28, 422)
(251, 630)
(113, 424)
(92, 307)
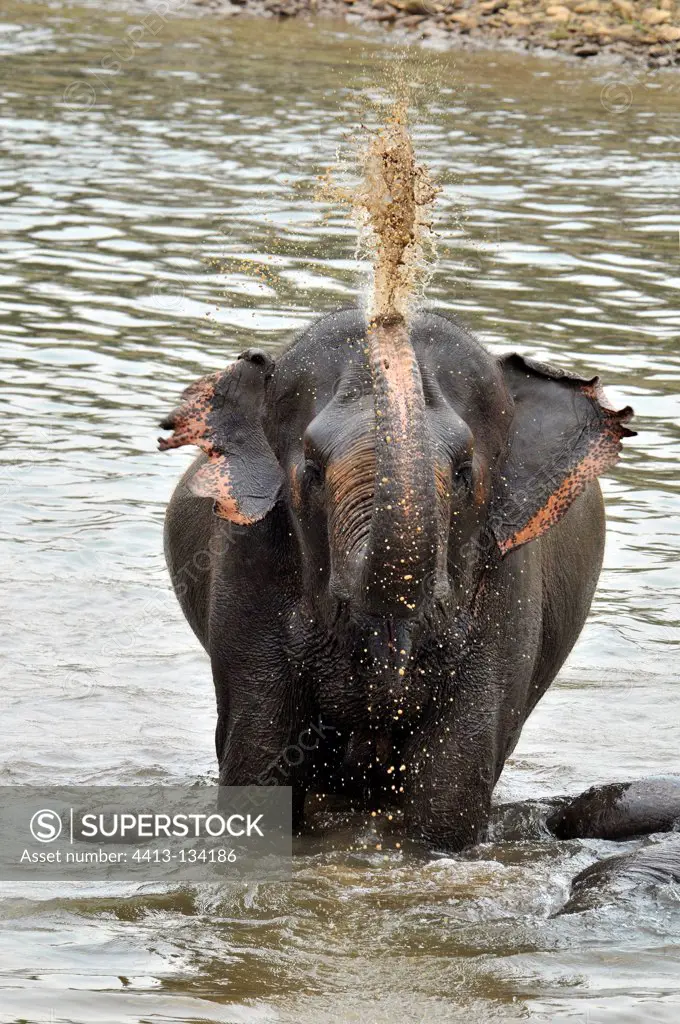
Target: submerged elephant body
(619, 810)
(408, 536)
(609, 880)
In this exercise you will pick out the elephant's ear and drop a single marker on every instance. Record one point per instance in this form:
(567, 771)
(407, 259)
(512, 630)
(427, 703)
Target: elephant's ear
(563, 435)
(222, 414)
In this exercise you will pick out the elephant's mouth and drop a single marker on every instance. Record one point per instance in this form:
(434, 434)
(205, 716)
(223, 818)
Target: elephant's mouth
(384, 662)
(379, 695)
(387, 645)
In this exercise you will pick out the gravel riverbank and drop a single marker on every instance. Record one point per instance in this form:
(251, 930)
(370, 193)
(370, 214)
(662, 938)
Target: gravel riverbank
(634, 30)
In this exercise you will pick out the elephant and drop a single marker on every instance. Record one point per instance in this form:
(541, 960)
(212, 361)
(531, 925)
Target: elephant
(619, 810)
(616, 812)
(387, 546)
(606, 881)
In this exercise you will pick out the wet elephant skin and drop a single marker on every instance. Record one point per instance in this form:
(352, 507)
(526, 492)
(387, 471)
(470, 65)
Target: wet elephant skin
(619, 810)
(608, 880)
(388, 548)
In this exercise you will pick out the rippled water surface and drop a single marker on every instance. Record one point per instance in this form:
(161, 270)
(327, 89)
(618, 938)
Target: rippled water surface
(156, 217)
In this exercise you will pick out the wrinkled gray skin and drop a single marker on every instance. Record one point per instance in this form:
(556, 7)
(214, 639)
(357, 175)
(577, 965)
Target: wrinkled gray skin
(615, 812)
(367, 634)
(619, 810)
(610, 879)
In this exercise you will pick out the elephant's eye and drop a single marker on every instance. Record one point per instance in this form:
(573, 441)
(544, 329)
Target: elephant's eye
(312, 473)
(463, 475)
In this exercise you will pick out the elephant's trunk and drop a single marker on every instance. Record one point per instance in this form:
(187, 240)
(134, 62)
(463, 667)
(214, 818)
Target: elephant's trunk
(400, 555)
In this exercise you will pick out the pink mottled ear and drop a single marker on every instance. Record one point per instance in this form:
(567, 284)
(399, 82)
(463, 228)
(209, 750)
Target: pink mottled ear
(564, 434)
(222, 415)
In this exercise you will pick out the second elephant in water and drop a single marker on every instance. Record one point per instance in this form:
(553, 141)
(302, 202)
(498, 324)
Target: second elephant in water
(388, 548)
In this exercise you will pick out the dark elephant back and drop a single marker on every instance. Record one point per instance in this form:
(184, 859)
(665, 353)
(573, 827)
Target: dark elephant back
(613, 878)
(619, 810)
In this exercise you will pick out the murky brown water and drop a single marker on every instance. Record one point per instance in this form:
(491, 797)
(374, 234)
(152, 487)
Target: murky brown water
(207, 143)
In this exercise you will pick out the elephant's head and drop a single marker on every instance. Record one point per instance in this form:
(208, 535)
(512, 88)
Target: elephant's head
(405, 460)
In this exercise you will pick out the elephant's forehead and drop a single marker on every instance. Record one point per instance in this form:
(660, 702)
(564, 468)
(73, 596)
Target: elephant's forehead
(329, 363)
(326, 348)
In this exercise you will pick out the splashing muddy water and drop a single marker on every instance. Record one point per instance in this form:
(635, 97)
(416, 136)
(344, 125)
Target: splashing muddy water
(392, 206)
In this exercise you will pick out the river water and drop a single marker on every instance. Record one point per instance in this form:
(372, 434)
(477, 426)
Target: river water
(156, 217)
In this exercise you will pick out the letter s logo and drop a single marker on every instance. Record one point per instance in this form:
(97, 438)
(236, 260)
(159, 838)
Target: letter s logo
(46, 826)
